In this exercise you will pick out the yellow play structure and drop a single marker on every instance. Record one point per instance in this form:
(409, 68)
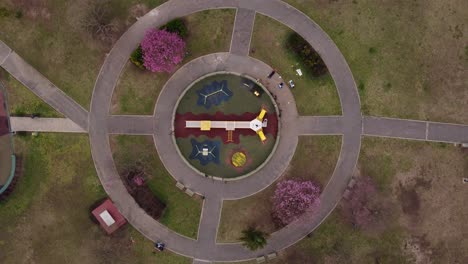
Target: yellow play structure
(256, 125)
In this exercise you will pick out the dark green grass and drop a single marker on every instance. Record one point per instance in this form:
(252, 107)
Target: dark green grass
(47, 218)
(182, 213)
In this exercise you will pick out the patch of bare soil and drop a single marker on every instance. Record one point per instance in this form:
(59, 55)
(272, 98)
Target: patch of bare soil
(366, 208)
(433, 206)
(135, 12)
(445, 41)
(418, 247)
(33, 9)
(409, 200)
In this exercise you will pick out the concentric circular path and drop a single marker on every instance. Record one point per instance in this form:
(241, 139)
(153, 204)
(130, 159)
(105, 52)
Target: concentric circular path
(167, 149)
(205, 247)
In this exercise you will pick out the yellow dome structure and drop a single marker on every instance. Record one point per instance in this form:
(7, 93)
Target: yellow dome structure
(238, 159)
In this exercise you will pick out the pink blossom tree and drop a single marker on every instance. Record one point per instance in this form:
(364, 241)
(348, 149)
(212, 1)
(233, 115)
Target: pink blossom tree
(162, 50)
(292, 199)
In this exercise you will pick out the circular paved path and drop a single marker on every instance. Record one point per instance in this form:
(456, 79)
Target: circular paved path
(205, 246)
(167, 149)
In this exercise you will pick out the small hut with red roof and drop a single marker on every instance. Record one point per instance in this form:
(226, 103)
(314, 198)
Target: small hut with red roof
(109, 216)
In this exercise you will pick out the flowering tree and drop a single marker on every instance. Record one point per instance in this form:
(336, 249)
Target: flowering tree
(162, 50)
(292, 199)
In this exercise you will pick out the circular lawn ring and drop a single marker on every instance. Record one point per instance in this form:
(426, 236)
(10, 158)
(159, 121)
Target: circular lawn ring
(219, 114)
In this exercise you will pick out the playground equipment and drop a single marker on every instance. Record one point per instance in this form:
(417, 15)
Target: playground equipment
(256, 125)
(214, 94)
(206, 151)
(230, 136)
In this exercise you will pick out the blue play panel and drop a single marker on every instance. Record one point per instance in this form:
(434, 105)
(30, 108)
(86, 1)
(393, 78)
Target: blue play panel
(206, 151)
(214, 94)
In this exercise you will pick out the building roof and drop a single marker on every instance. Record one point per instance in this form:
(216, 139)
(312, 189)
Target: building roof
(109, 216)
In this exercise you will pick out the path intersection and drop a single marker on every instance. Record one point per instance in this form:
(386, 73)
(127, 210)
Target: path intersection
(98, 123)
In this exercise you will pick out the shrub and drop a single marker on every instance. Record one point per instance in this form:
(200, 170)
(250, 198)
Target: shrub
(176, 26)
(137, 57)
(254, 239)
(140, 191)
(19, 14)
(4, 12)
(97, 18)
(162, 50)
(361, 86)
(307, 55)
(292, 199)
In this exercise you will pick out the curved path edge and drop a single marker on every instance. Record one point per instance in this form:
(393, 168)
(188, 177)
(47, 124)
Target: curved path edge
(276, 164)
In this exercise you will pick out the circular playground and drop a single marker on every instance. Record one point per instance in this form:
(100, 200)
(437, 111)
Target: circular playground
(225, 125)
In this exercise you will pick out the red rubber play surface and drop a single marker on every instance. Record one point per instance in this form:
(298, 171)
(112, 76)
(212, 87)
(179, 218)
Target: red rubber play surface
(181, 131)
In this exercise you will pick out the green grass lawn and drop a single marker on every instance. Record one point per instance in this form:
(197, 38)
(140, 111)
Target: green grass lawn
(314, 96)
(208, 32)
(429, 232)
(21, 101)
(335, 241)
(48, 37)
(408, 58)
(314, 160)
(182, 213)
(37, 224)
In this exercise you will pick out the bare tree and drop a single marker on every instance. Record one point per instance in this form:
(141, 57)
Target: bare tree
(97, 19)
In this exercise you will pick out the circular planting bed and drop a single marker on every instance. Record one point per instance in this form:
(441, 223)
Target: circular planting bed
(225, 125)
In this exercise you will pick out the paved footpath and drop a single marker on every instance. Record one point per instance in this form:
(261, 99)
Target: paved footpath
(116, 124)
(242, 32)
(414, 129)
(169, 153)
(321, 125)
(45, 125)
(131, 124)
(209, 221)
(42, 87)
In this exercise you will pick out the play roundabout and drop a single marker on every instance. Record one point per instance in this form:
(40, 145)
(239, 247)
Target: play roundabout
(223, 129)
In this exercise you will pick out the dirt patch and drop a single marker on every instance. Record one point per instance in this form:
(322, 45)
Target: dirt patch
(33, 9)
(432, 203)
(138, 10)
(423, 183)
(417, 248)
(409, 200)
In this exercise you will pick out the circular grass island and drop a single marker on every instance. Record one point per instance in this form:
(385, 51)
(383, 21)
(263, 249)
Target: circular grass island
(225, 125)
